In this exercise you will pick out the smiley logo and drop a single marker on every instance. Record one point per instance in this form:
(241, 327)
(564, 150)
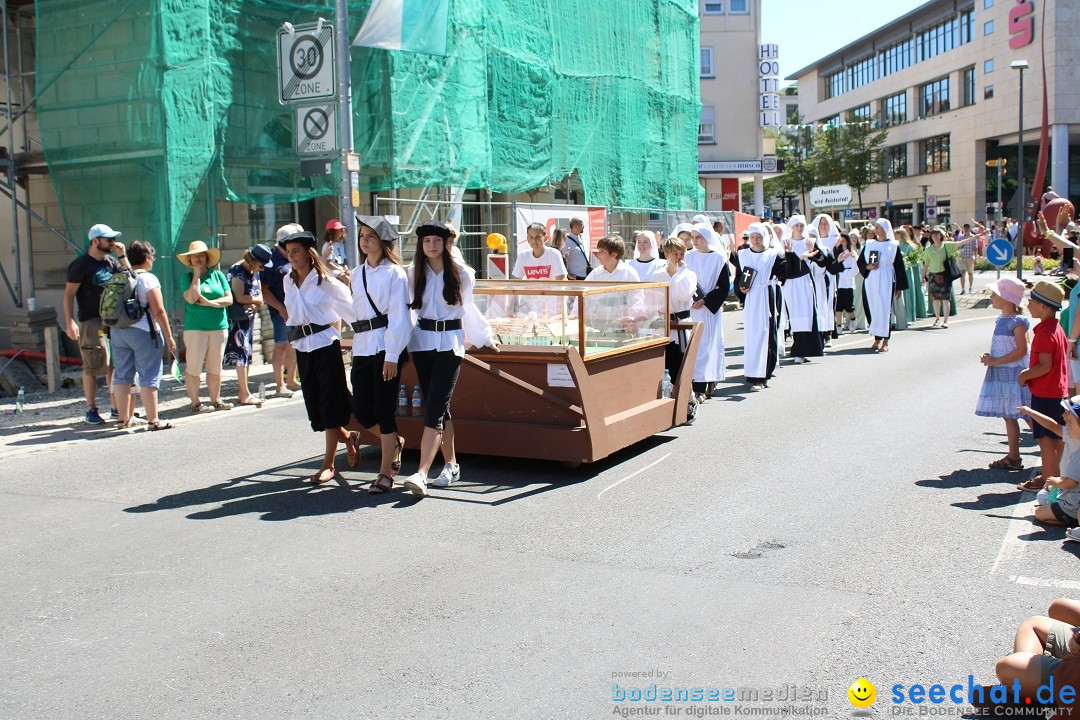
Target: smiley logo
(862, 693)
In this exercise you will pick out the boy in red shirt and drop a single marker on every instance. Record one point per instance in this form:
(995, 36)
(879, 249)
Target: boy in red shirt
(1045, 377)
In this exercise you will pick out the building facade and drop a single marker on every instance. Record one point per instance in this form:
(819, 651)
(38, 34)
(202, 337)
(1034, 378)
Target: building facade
(732, 148)
(944, 81)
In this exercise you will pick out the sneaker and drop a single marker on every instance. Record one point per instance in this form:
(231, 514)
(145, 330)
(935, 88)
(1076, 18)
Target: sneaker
(284, 392)
(757, 388)
(113, 414)
(93, 417)
(800, 361)
(1072, 534)
(450, 473)
(416, 484)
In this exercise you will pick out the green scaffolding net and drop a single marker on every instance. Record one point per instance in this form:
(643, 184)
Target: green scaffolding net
(154, 113)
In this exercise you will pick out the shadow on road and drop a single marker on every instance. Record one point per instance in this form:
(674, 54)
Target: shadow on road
(966, 478)
(284, 493)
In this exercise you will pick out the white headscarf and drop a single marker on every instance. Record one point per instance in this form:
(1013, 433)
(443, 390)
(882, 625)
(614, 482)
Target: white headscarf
(714, 243)
(887, 226)
(683, 227)
(763, 230)
(830, 238)
(791, 223)
(702, 220)
(652, 239)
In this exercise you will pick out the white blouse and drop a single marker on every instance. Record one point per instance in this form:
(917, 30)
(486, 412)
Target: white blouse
(476, 331)
(388, 286)
(682, 286)
(621, 273)
(315, 303)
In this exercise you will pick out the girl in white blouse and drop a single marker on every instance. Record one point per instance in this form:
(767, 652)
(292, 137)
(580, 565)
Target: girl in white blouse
(315, 301)
(682, 284)
(380, 301)
(445, 316)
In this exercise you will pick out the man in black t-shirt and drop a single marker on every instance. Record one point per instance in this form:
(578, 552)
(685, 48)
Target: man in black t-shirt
(86, 278)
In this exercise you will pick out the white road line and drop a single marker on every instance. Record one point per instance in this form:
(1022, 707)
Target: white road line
(1052, 582)
(636, 472)
(1011, 546)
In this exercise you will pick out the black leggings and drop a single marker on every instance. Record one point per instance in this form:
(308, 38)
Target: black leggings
(322, 377)
(375, 399)
(437, 372)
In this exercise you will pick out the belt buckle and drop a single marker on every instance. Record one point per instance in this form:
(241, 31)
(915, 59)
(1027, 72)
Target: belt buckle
(440, 326)
(305, 329)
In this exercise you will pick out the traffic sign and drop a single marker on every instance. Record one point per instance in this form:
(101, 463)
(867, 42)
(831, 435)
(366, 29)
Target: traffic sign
(931, 213)
(931, 201)
(999, 252)
(871, 214)
(848, 214)
(316, 128)
(306, 69)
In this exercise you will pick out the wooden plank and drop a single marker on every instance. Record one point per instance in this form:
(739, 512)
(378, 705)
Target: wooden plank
(52, 357)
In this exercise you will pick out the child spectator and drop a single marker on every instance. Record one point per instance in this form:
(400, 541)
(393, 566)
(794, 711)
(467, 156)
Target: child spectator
(543, 263)
(1037, 265)
(1045, 377)
(610, 251)
(1041, 645)
(1001, 394)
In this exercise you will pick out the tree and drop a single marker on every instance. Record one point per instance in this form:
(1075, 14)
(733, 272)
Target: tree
(793, 149)
(862, 140)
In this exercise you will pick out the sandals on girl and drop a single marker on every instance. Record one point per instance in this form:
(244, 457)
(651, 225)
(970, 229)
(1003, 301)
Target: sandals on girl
(1007, 463)
(352, 449)
(1034, 484)
(396, 465)
(381, 484)
(222, 405)
(201, 408)
(159, 425)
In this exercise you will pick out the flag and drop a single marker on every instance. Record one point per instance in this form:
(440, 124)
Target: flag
(413, 25)
(175, 371)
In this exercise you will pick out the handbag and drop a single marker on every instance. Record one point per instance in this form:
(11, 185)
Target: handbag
(952, 269)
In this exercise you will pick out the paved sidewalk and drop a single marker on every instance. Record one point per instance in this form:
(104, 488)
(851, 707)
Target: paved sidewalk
(52, 418)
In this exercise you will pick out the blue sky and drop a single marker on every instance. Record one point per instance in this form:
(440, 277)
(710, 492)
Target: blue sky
(794, 24)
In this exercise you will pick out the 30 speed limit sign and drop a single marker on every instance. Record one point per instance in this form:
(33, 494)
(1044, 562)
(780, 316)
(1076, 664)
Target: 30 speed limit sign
(306, 69)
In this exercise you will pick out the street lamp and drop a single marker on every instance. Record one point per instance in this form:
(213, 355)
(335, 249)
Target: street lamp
(1021, 65)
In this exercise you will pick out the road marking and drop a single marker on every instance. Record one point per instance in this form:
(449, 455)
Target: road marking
(636, 472)
(1052, 582)
(1011, 546)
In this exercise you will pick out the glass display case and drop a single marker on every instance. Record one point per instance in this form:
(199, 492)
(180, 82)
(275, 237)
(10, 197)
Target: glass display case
(594, 318)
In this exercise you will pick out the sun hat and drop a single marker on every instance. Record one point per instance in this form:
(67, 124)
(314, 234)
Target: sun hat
(1009, 289)
(196, 247)
(301, 237)
(102, 230)
(262, 255)
(1048, 293)
(334, 224)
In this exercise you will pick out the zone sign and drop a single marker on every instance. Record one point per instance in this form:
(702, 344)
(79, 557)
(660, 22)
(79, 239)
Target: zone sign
(306, 69)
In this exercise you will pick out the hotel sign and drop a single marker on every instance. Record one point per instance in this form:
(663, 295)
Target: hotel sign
(1022, 24)
(769, 85)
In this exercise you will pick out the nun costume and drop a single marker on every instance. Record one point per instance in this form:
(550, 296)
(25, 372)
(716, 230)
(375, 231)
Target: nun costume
(709, 264)
(759, 267)
(883, 267)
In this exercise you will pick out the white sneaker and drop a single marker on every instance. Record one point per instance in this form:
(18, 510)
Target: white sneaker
(1072, 534)
(416, 484)
(284, 392)
(800, 361)
(450, 473)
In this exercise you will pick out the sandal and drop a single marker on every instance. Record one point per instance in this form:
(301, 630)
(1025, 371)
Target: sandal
(1034, 484)
(222, 405)
(396, 465)
(352, 449)
(318, 478)
(159, 425)
(381, 484)
(876, 346)
(1007, 463)
(203, 408)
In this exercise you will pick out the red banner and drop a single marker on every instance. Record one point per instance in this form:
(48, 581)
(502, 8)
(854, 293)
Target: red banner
(729, 193)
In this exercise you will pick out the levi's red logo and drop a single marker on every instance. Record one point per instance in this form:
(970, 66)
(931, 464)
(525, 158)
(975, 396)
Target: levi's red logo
(538, 272)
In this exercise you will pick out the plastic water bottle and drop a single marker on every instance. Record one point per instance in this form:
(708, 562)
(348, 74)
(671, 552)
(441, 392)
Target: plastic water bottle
(402, 402)
(20, 399)
(665, 385)
(262, 392)
(417, 402)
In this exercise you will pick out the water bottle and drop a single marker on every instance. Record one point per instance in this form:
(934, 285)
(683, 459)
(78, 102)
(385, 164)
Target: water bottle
(665, 385)
(262, 392)
(20, 399)
(416, 402)
(402, 402)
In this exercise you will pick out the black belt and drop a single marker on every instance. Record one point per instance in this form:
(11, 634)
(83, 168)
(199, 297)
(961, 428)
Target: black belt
(361, 326)
(438, 325)
(296, 332)
(677, 316)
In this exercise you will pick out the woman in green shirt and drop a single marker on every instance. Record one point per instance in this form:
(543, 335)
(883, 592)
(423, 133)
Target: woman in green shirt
(938, 285)
(207, 296)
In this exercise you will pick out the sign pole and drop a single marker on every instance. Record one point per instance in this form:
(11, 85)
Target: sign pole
(348, 212)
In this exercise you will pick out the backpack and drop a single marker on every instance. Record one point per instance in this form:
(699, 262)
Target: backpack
(119, 307)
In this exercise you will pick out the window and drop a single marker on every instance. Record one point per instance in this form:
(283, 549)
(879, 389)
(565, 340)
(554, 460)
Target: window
(969, 86)
(861, 113)
(896, 109)
(934, 97)
(988, 92)
(967, 26)
(739, 7)
(987, 4)
(936, 154)
(714, 8)
(792, 113)
(833, 121)
(988, 27)
(988, 66)
(706, 132)
(706, 62)
(936, 40)
(834, 84)
(896, 58)
(894, 162)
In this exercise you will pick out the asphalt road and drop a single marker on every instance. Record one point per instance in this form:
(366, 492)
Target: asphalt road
(839, 525)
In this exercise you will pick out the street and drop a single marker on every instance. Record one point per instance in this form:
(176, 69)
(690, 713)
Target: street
(841, 524)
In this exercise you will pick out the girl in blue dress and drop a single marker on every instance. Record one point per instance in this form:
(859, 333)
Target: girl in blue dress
(1001, 394)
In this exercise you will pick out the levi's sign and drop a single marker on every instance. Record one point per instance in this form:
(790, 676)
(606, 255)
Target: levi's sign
(830, 196)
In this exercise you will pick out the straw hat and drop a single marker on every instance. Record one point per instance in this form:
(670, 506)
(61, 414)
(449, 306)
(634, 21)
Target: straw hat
(196, 247)
(1049, 294)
